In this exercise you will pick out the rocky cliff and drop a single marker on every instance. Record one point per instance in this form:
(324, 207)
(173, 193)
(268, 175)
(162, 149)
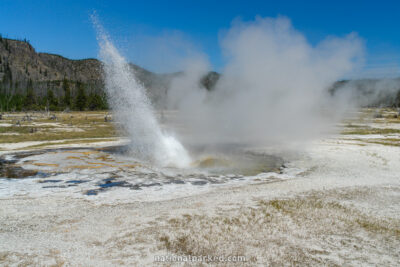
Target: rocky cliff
(22, 67)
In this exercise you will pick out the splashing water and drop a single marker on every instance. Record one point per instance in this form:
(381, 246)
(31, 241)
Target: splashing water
(133, 110)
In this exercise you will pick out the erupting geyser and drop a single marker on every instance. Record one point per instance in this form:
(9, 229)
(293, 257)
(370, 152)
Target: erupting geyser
(134, 112)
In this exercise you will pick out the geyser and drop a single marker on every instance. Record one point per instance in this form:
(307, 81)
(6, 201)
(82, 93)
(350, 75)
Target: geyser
(133, 111)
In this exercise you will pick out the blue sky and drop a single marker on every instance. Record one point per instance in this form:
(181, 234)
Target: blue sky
(181, 27)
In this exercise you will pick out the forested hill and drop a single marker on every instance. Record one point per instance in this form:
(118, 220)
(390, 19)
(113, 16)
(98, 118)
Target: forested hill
(34, 81)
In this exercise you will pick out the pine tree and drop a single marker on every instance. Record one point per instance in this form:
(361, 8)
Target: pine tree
(96, 101)
(51, 100)
(30, 99)
(67, 93)
(81, 99)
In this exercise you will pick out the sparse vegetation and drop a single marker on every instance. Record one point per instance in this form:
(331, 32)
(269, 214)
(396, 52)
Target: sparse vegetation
(270, 232)
(65, 126)
(365, 131)
(369, 124)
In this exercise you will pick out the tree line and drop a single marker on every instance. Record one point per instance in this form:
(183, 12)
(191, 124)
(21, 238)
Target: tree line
(12, 98)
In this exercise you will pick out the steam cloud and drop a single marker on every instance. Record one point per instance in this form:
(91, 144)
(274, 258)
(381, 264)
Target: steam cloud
(273, 87)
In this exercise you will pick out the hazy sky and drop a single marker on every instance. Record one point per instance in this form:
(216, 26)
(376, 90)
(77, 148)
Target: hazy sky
(160, 34)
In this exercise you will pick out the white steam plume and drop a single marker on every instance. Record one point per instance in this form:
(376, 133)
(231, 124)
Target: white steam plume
(273, 88)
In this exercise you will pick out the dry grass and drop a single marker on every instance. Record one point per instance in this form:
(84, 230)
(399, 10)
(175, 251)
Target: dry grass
(368, 130)
(51, 258)
(379, 141)
(359, 126)
(74, 125)
(305, 231)
(385, 142)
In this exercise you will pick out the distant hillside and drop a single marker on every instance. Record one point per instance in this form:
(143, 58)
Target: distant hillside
(370, 92)
(31, 80)
(24, 72)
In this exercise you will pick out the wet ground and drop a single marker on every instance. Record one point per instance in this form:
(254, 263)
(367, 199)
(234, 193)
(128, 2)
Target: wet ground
(92, 171)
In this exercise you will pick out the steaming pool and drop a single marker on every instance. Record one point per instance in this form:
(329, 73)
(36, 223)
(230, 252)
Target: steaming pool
(111, 171)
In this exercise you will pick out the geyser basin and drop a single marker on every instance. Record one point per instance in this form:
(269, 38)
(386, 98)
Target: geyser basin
(89, 171)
